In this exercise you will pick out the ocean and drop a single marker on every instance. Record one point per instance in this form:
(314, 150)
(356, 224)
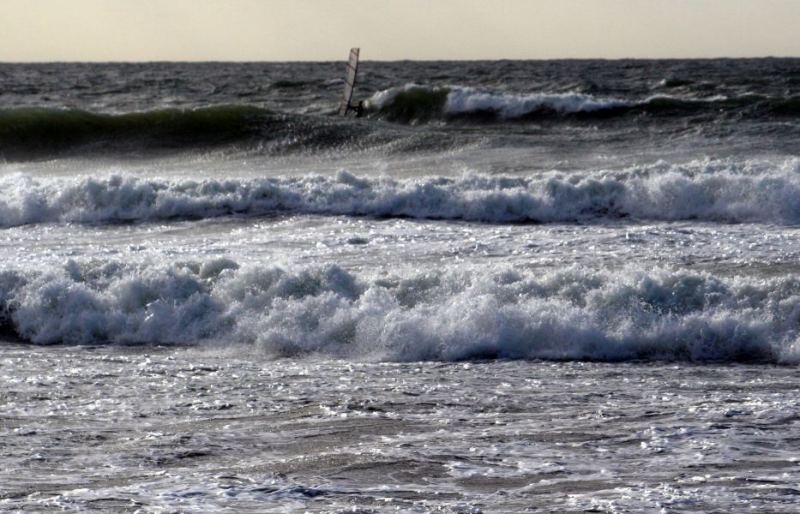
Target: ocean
(510, 286)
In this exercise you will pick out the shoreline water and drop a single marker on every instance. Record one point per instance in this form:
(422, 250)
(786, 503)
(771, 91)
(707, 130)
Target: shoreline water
(320, 435)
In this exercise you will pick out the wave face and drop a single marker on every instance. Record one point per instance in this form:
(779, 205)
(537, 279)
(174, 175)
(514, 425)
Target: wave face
(45, 132)
(721, 191)
(415, 103)
(439, 315)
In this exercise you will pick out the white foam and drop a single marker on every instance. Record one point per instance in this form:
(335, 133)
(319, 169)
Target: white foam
(711, 190)
(449, 314)
(465, 100)
(685, 99)
(510, 106)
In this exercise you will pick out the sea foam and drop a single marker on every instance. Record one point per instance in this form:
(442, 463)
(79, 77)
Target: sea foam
(418, 102)
(413, 103)
(510, 106)
(447, 314)
(721, 191)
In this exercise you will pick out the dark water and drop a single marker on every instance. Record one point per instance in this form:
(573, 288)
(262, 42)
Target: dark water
(53, 109)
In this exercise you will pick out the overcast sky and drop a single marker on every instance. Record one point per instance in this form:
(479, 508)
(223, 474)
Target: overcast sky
(286, 30)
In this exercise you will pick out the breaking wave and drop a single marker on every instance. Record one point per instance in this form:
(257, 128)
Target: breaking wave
(38, 132)
(720, 191)
(415, 103)
(446, 315)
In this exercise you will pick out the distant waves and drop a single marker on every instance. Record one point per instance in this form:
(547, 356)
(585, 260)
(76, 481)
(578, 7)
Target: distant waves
(30, 133)
(39, 132)
(414, 103)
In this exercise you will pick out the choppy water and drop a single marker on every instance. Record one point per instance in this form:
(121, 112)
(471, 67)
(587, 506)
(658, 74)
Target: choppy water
(510, 286)
(204, 431)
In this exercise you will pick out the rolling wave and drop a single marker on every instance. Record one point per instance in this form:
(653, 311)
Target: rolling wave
(719, 191)
(415, 103)
(44, 132)
(38, 132)
(447, 315)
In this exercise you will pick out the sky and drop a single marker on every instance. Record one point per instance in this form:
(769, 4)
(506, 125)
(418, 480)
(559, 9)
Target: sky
(322, 30)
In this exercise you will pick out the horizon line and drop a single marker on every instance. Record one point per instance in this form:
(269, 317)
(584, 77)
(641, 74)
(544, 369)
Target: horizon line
(344, 59)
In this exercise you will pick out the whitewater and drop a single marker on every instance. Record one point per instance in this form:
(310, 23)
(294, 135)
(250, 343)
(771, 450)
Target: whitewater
(551, 285)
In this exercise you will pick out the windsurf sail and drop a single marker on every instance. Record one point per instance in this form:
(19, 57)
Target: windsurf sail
(349, 82)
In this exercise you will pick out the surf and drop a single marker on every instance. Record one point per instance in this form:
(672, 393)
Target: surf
(448, 314)
(417, 103)
(726, 191)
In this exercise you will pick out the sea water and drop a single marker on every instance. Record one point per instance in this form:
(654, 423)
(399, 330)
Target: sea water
(508, 287)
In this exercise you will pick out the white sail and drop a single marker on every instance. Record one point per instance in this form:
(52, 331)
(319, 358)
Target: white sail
(350, 81)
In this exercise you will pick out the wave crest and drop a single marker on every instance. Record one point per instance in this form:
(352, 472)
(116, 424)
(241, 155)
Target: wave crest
(414, 103)
(447, 315)
(721, 191)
